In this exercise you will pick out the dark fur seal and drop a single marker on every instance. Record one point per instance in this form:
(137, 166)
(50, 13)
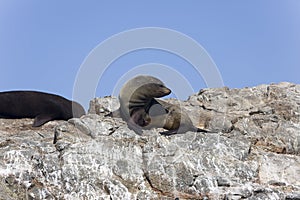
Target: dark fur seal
(43, 107)
(134, 98)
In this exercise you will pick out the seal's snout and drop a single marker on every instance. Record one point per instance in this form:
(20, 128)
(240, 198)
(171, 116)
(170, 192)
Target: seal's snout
(160, 90)
(167, 91)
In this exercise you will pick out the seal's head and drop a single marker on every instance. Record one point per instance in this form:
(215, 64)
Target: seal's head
(138, 91)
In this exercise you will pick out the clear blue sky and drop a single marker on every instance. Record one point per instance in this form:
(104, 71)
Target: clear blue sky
(44, 43)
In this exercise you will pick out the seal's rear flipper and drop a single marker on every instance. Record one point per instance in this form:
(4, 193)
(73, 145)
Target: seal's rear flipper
(170, 132)
(204, 130)
(41, 119)
(177, 131)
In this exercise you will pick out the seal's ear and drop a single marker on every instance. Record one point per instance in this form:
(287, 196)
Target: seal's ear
(41, 119)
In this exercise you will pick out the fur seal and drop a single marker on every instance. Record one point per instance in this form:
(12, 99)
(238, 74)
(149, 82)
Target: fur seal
(43, 107)
(141, 110)
(171, 117)
(135, 96)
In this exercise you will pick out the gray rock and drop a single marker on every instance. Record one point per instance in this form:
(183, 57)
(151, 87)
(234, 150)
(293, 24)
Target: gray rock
(254, 152)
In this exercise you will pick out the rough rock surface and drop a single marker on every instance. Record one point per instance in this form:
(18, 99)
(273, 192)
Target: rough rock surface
(254, 152)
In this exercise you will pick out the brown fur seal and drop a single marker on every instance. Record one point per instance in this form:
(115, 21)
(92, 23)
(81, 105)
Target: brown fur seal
(170, 117)
(134, 98)
(140, 109)
(43, 107)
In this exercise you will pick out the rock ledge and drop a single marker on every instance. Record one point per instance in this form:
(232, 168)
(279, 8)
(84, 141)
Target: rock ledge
(254, 152)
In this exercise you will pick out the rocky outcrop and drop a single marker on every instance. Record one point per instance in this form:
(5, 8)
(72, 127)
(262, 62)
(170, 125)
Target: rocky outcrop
(253, 152)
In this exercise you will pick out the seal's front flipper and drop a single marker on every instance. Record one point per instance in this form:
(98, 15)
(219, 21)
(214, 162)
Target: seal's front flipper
(133, 126)
(41, 119)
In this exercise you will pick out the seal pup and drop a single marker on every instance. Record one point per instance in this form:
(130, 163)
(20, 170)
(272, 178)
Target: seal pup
(134, 98)
(171, 117)
(43, 107)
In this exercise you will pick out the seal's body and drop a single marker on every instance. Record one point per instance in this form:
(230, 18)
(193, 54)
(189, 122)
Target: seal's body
(171, 117)
(135, 96)
(43, 107)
